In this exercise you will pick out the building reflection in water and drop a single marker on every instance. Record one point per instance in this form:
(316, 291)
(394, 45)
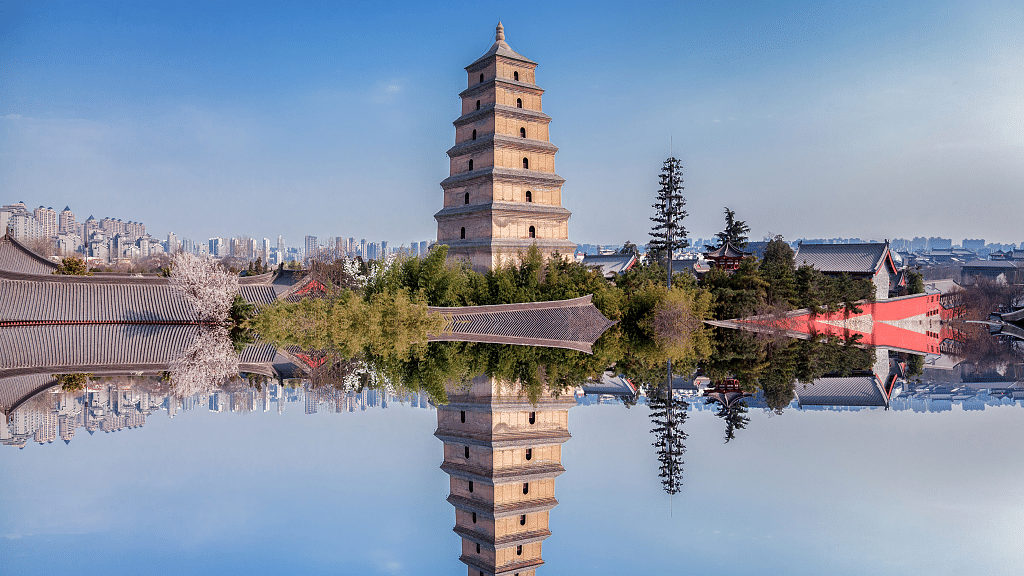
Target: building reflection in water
(502, 454)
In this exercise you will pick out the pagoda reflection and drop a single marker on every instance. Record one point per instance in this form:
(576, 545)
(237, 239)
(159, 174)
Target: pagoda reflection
(502, 453)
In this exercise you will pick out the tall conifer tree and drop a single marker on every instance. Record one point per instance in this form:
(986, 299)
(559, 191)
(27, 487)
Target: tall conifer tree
(668, 234)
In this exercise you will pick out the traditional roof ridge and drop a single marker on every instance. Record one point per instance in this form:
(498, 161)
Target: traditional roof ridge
(859, 257)
(727, 250)
(17, 257)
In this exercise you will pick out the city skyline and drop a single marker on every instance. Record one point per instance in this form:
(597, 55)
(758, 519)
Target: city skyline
(342, 129)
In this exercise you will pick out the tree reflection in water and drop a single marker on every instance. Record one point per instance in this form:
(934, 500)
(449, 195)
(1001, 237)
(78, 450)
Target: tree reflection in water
(668, 416)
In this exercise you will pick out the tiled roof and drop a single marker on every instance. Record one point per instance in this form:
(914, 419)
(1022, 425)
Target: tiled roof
(857, 390)
(15, 257)
(852, 258)
(727, 251)
(87, 347)
(1007, 264)
(610, 264)
(16, 388)
(575, 324)
(61, 299)
(757, 248)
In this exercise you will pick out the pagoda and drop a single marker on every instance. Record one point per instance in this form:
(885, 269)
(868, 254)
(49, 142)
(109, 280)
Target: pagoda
(503, 194)
(502, 453)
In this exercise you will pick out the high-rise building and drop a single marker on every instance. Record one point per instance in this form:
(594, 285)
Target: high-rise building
(362, 249)
(312, 248)
(47, 219)
(172, 242)
(502, 453)
(503, 194)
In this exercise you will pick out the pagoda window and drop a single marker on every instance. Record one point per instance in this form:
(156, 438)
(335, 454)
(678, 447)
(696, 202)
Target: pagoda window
(529, 196)
(478, 548)
(474, 134)
(526, 163)
(533, 234)
(467, 197)
(474, 517)
(526, 487)
(515, 76)
(462, 415)
(522, 520)
(477, 104)
(529, 453)
(467, 451)
(463, 233)
(533, 415)
(519, 550)
(471, 165)
(481, 77)
(470, 485)
(522, 132)
(519, 102)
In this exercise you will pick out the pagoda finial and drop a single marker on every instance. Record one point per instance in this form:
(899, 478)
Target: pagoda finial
(499, 33)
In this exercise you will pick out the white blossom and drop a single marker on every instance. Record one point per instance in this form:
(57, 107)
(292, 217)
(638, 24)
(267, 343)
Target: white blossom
(206, 285)
(208, 362)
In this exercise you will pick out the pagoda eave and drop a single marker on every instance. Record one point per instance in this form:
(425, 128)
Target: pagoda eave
(504, 112)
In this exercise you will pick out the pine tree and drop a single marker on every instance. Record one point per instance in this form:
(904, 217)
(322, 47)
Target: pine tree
(735, 231)
(668, 234)
(668, 417)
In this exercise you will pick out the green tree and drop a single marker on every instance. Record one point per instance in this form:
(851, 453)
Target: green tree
(668, 415)
(668, 233)
(735, 231)
(915, 282)
(72, 266)
(777, 270)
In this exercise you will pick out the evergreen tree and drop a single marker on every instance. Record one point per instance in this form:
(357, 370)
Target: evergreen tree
(777, 269)
(668, 234)
(668, 416)
(735, 231)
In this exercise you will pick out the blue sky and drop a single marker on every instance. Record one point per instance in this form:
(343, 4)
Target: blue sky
(816, 492)
(331, 119)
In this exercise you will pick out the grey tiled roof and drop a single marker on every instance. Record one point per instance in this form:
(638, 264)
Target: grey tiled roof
(610, 264)
(87, 347)
(16, 388)
(55, 299)
(575, 324)
(857, 390)
(852, 258)
(16, 258)
(727, 251)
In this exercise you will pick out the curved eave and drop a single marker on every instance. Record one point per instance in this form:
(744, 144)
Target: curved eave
(504, 111)
(486, 142)
(501, 174)
(483, 86)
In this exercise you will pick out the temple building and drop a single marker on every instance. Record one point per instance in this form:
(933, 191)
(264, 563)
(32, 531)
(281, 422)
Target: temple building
(503, 194)
(503, 454)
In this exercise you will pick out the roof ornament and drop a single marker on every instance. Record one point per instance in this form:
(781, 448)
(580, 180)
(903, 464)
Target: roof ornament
(499, 33)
